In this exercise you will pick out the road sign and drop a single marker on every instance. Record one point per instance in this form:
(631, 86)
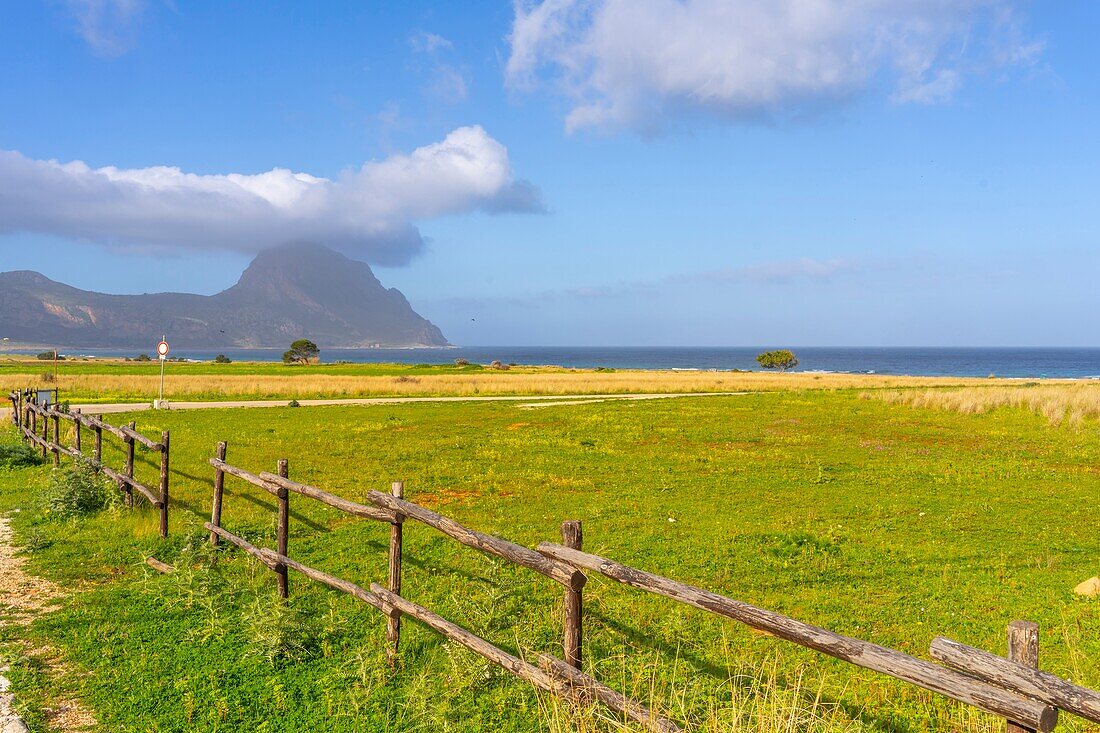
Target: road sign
(162, 349)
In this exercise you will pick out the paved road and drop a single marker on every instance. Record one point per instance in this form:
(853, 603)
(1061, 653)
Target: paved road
(527, 400)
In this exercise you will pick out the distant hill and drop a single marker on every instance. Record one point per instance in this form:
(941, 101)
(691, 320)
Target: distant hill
(300, 291)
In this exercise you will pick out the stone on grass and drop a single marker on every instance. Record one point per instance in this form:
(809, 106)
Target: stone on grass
(1090, 587)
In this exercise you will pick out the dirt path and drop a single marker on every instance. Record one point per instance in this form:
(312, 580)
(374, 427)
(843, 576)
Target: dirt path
(24, 597)
(551, 399)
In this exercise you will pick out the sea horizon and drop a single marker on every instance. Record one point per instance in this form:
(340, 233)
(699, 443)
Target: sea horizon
(1031, 362)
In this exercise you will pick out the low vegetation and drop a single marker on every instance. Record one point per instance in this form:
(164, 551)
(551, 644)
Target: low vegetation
(75, 490)
(881, 521)
(1058, 403)
(18, 455)
(120, 381)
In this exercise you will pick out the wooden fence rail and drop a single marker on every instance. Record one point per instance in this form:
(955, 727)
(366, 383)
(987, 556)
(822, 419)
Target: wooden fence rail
(1031, 713)
(392, 508)
(26, 416)
(1028, 699)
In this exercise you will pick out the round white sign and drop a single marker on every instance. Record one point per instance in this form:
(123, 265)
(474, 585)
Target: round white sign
(162, 349)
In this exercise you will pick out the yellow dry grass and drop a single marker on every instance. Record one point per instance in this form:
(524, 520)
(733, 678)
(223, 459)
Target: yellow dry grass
(121, 387)
(1059, 402)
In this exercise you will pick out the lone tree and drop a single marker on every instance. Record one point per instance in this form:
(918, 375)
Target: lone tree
(302, 351)
(783, 359)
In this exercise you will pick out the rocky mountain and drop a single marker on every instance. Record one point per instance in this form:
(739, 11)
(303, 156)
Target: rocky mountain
(300, 291)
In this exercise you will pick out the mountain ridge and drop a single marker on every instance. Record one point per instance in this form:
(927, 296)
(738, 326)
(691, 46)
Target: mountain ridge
(288, 292)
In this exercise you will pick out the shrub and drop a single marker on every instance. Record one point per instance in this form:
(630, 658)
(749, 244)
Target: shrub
(18, 455)
(497, 364)
(783, 359)
(222, 359)
(77, 491)
(142, 357)
(50, 356)
(462, 362)
(293, 403)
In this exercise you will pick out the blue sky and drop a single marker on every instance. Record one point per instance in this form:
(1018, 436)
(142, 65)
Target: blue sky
(799, 172)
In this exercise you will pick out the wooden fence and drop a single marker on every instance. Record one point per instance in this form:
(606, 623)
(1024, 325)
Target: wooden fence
(31, 418)
(1012, 688)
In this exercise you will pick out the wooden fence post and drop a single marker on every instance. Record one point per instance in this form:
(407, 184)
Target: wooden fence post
(283, 529)
(76, 430)
(98, 444)
(572, 537)
(393, 620)
(45, 434)
(129, 466)
(219, 485)
(164, 455)
(56, 449)
(1023, 648)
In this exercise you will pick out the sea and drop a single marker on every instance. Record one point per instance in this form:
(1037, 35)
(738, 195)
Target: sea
(1023, 363)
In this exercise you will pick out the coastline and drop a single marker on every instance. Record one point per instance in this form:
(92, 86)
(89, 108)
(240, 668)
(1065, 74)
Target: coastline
(1036, 363)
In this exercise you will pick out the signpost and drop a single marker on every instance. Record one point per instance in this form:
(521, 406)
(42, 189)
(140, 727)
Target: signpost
(162, 353)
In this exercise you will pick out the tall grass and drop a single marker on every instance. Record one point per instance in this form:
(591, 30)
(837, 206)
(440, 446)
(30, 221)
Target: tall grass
(1059, 403)
(312, 384)
(753, 698)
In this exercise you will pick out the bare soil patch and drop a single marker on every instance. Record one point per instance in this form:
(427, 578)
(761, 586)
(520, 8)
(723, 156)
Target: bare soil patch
(24, 597)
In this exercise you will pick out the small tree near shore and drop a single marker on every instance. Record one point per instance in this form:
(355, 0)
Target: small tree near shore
(302, 351)
(782, 359)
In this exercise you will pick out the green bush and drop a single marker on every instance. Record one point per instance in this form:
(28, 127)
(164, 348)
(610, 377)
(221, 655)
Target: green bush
(18, 455)
(222, 359)
(782, 359)
(77, 491)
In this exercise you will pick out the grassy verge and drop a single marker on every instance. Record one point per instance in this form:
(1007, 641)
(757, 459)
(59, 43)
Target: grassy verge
(119, 381)
(885, 522)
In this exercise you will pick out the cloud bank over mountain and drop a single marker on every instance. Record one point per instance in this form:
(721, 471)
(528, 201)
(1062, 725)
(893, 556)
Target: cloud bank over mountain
(643, 63)
(370, 212)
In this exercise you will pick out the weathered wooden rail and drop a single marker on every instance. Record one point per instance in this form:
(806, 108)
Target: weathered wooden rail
(391, 508)
(27, 413)
(1013, 688)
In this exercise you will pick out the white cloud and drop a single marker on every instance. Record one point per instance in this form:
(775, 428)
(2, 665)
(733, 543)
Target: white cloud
(369, 211)
(425, 42)
(447, 84)
(108, 26)
(804, 269)
(639, 63)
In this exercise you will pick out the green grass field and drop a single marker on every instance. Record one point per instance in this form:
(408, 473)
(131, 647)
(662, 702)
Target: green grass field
(885, 522)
